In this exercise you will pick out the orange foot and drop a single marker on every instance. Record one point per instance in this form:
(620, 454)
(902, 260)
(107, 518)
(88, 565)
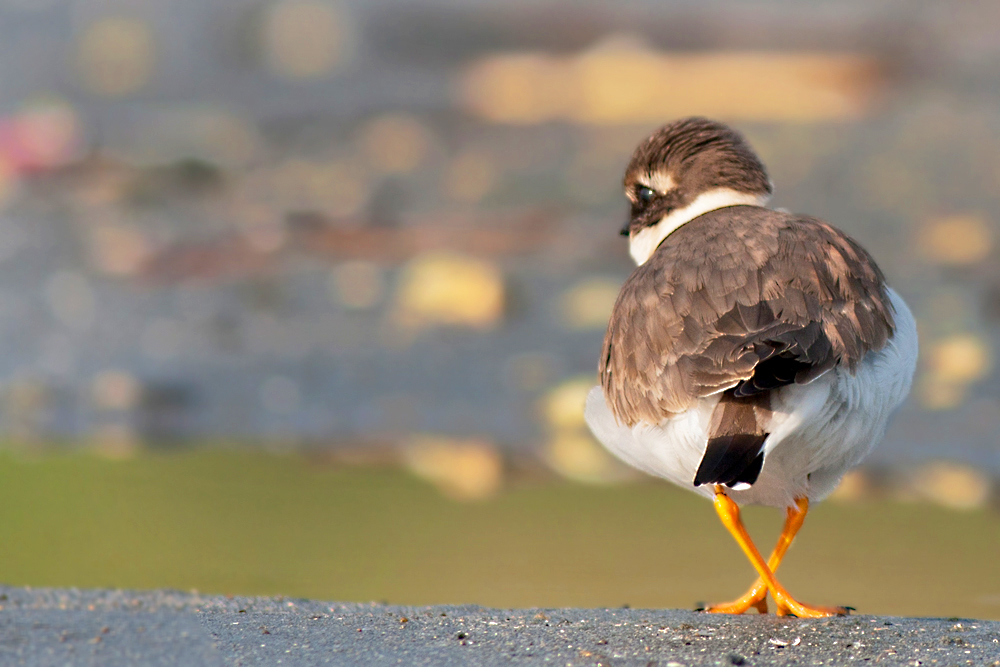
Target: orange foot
(786, 606)
(756, 597)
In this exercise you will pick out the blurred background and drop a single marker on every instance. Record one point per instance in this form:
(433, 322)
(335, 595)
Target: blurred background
(303, 276)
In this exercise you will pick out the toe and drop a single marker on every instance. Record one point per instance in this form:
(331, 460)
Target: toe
(799, 610)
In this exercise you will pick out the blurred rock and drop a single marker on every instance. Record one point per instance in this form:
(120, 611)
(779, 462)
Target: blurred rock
(960, 358)
(395, 143)
(190, 142)
(370, 453)
(608, 84)
(947, 309)
(594, 174)
(59, 355)
(340, 189)
(952, 485)
(70, 298)
(574, 454)
(388, 204)
(571, 451)
(957, 240)
(118, 249)
(280, 395)
(43, 135)
(304, 39)
(115, 441)
(116, 55)
(588, 304)
(358, 285)
(856, 485)
(116, 390)
(460, 469)
(162, 338)
(469, 177)
(9, 181)
(562, 406)
(530, 370)
(941, 395)
(952, 364)
(448, 289)
(26, 404)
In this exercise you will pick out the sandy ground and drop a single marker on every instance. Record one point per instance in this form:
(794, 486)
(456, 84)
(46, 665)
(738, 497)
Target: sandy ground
(110, 628)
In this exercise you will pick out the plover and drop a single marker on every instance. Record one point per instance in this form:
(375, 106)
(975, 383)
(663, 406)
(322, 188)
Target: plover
(754, 356)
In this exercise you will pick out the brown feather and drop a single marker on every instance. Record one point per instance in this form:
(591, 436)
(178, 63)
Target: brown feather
(792, 287)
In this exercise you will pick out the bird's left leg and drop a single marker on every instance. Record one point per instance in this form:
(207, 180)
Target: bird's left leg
(729, 512)
(757, 595)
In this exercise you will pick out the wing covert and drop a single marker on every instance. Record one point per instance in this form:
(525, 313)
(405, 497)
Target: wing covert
(742, 297)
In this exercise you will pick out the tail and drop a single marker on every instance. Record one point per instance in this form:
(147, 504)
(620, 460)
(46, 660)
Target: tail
(736, 435)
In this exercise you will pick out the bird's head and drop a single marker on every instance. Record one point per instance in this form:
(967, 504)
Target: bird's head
(685, 169)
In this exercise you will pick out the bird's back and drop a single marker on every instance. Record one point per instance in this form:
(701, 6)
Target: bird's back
(733, 298)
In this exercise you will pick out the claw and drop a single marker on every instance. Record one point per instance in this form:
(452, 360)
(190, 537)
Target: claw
(790, 607)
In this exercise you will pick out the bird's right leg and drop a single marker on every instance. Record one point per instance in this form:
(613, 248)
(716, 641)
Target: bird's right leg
(757, 595)
(729, 513)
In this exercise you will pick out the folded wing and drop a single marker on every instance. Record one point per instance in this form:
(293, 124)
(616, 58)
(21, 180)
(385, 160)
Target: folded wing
(740, 301)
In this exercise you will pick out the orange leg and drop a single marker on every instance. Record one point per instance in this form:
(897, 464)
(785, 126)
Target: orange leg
(757, 595)
(786, 605)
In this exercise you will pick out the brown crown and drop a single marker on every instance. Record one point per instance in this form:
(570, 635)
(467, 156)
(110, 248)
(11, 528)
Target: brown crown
(700, 155)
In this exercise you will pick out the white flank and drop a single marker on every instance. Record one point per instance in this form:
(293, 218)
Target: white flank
(642, 244)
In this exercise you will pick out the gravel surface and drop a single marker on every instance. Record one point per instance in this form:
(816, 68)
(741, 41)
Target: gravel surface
(110, 628)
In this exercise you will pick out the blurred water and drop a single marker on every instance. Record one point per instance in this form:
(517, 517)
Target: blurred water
(212, 214)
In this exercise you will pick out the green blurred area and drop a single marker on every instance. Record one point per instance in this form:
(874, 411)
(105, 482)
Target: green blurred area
(223, 521)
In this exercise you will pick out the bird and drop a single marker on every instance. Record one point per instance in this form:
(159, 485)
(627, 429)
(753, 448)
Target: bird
(753, 356)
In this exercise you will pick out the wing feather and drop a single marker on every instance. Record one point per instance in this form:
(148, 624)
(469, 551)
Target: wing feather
(742, 297)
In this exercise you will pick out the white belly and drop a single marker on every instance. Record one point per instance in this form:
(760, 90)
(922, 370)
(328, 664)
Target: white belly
(819, 430)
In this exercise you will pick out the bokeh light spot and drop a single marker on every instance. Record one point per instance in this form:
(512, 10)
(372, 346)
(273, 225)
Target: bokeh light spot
(957, 240)
(469, 177)
(448, 289)
(460, 469)
(118, 249)
(116, 55)
(621, 80)
(953, 363)
(116, 390)
(588, 304)
(303, 39)
(357, 285)
(395, 143)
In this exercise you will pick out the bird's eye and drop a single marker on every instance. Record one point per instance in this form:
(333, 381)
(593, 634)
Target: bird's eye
(644, 194)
